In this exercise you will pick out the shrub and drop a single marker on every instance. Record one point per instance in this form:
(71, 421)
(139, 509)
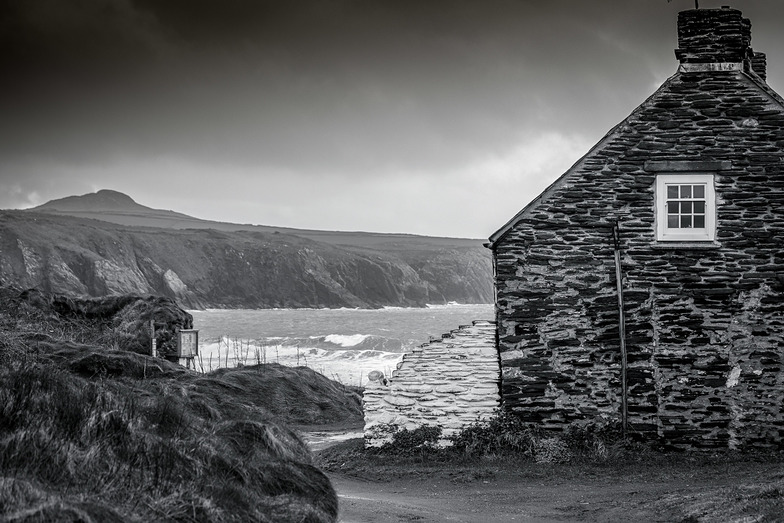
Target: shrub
(407, 442)
(552, 450)
(504, 433)
(596, 441)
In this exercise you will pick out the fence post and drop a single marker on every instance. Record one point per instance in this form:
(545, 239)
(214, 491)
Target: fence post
(153, 349)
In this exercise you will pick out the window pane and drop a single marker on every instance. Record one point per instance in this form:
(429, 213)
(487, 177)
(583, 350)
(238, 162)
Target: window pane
(685, 207)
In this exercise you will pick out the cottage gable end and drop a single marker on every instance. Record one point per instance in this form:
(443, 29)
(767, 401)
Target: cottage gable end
(647, 282)
(697, 115)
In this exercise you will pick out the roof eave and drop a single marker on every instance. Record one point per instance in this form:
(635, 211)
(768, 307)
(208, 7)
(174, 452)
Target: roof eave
(561, 180)
(500, 233)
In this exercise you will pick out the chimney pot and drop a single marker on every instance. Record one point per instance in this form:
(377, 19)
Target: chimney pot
(713, 36)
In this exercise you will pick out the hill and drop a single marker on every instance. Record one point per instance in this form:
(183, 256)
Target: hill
(91, 433)
(106, 244)
(116, 207)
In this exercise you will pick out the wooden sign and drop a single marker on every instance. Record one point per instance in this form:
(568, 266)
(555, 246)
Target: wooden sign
(188, 343)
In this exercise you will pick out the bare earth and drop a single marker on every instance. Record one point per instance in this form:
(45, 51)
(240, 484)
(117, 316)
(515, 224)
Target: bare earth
(680, 489)
(497, 500)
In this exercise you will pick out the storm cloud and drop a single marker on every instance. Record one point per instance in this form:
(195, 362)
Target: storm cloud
(440, 118)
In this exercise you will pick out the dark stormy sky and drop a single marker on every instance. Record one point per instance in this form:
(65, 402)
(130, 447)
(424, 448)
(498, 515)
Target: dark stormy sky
(438, 117)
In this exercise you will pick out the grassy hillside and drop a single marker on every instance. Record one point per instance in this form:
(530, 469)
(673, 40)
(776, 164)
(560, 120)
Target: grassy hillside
(91, 433)
(248, 268)
(115, 207)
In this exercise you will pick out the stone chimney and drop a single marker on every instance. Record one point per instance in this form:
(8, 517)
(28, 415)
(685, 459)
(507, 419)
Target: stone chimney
(717, 40)
(759, 64)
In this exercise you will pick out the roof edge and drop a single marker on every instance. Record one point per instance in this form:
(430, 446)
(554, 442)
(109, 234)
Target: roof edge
(500, 233)
(763, 86)
(559, 182)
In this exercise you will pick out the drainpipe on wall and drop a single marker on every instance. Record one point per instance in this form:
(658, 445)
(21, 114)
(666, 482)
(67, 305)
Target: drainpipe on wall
(621, 329)
(496, 318)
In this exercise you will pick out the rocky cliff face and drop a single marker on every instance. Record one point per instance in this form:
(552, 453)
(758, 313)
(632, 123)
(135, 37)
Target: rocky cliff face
(242, 268)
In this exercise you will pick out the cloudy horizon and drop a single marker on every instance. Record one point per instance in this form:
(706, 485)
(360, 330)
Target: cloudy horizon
(434, 118)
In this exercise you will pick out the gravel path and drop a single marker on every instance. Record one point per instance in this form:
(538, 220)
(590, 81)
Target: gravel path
(499, 500)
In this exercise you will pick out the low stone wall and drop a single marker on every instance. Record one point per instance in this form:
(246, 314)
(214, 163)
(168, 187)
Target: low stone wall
(449, 382)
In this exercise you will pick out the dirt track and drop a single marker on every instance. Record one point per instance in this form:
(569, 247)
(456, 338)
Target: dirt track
(627, 488)
(501, 500)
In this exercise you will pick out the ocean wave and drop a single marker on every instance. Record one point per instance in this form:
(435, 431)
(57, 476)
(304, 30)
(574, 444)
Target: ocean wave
(452, 305)
(346, 340)
(338, 343)
(345, 365)
(333, 345)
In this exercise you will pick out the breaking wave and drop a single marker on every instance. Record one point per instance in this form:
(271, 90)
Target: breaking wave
(346, 341)
(342, 344)
(337, 357)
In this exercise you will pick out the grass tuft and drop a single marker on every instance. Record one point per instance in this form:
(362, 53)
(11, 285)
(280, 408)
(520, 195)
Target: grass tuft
(91, 433)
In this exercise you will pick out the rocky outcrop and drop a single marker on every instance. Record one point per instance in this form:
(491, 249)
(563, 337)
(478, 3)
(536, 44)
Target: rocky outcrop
(236, 269)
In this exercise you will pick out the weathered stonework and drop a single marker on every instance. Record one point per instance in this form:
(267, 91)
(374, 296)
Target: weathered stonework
(704, 320)
(450, 382)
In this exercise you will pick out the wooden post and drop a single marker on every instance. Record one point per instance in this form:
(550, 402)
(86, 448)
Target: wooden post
(621, 330)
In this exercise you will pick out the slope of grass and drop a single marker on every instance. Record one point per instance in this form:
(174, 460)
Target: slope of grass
(297, 395)
(89, 433)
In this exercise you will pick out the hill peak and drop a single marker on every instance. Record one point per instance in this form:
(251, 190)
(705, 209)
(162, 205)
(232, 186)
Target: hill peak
(103, 200)
(116, 207)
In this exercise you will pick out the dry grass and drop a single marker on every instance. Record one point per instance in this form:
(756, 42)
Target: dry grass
(90, 433)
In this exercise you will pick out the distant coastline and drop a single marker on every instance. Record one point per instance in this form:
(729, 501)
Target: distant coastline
(127, 248)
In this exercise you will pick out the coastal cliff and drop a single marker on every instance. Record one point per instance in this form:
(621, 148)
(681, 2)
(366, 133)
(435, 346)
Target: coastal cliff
(215, 265)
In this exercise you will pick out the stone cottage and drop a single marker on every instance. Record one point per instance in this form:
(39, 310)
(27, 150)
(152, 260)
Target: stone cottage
(689, 192)
(646, 284)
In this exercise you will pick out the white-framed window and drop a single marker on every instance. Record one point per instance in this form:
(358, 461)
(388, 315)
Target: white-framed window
(685, 207)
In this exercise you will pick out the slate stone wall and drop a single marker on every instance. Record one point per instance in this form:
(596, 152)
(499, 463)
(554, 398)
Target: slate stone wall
(705, 323)
(450, 382)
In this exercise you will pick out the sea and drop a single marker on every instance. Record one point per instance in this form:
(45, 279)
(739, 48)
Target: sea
(342, 344)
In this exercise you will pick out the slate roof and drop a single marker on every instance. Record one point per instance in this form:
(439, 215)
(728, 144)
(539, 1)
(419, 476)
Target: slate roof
(699, 115)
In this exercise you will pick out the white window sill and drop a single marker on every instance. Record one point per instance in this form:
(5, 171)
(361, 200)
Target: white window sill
(706, 245)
